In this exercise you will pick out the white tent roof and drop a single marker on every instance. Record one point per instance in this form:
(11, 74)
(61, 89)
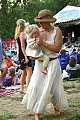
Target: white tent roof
(67, 14)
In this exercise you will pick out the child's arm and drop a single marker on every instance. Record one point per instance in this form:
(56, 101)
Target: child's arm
(15, 80)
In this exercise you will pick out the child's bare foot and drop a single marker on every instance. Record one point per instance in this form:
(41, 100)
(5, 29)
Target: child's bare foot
(44, 70)
(37, 117)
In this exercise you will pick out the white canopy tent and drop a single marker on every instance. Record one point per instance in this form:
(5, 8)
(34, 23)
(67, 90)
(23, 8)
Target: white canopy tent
(68, 14)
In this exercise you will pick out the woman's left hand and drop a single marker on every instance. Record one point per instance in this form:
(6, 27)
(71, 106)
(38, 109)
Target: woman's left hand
(39, 41)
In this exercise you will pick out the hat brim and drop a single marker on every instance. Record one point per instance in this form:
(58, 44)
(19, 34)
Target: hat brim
(44, 20)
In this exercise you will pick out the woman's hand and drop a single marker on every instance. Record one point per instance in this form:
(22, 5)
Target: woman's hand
(39, 41)
(26, 59)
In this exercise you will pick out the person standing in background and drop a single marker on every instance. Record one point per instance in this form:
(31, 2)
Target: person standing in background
(25, 62)
(69, 39)
(3, 66)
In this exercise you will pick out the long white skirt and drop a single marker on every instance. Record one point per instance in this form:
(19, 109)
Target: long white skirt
(45, 88)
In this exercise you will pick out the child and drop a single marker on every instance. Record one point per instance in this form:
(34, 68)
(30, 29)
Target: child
(11, 78)
(33, 49)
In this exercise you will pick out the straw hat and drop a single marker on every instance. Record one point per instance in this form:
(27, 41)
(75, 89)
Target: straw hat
(45, 16)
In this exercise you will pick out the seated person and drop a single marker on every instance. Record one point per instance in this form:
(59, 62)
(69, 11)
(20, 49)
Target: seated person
(75, 54)
(63, 59)
(11, 78)
(78, 57)
(8, 62)
(73, 68)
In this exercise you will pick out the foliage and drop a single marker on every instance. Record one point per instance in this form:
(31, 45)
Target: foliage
(74, 2)
(28, 10)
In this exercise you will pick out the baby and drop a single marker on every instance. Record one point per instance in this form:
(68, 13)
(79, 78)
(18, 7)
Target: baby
(33, 49)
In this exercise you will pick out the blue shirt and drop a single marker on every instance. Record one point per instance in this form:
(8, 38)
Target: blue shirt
(1, 53)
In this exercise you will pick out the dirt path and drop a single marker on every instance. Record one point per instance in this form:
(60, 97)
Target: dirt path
(12, 103)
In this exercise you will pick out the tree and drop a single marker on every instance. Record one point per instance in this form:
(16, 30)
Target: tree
(28, 10)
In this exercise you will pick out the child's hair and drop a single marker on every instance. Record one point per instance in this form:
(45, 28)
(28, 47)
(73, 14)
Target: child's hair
(30, 29)
(20, 27)
(12, 71)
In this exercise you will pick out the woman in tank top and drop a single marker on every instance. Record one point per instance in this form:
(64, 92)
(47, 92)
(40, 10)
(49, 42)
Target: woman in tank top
(44, 89)
(25, 62)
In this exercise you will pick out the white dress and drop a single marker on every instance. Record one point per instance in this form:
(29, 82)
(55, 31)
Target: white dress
(44, 89)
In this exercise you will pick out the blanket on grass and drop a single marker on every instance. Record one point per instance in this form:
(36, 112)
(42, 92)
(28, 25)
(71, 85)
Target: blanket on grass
(9, 90)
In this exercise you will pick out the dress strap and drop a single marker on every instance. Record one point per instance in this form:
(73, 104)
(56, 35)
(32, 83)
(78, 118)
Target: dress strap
(54, 32)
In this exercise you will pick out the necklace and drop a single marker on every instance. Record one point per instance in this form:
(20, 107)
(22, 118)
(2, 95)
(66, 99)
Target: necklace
(50, 29)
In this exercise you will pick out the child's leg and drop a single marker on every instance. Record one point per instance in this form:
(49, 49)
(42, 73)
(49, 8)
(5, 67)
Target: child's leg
(45, 60)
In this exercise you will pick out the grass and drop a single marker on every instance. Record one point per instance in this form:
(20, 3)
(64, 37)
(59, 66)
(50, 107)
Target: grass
(78, 79)
(72, 84)
(7, 116)
(72, 89)
(74, 117)
(17, 98)
(49, 117)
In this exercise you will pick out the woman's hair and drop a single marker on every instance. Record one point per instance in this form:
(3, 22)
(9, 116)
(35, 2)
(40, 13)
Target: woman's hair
(20, 27)
(30, 29)
(72, 61)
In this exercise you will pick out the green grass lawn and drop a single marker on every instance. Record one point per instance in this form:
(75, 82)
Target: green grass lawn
(7, 116)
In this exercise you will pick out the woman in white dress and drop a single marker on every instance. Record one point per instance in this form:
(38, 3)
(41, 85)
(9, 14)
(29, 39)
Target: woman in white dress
(42, 88)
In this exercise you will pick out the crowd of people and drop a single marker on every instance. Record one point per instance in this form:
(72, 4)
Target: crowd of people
(69, 58)
(44, 46)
